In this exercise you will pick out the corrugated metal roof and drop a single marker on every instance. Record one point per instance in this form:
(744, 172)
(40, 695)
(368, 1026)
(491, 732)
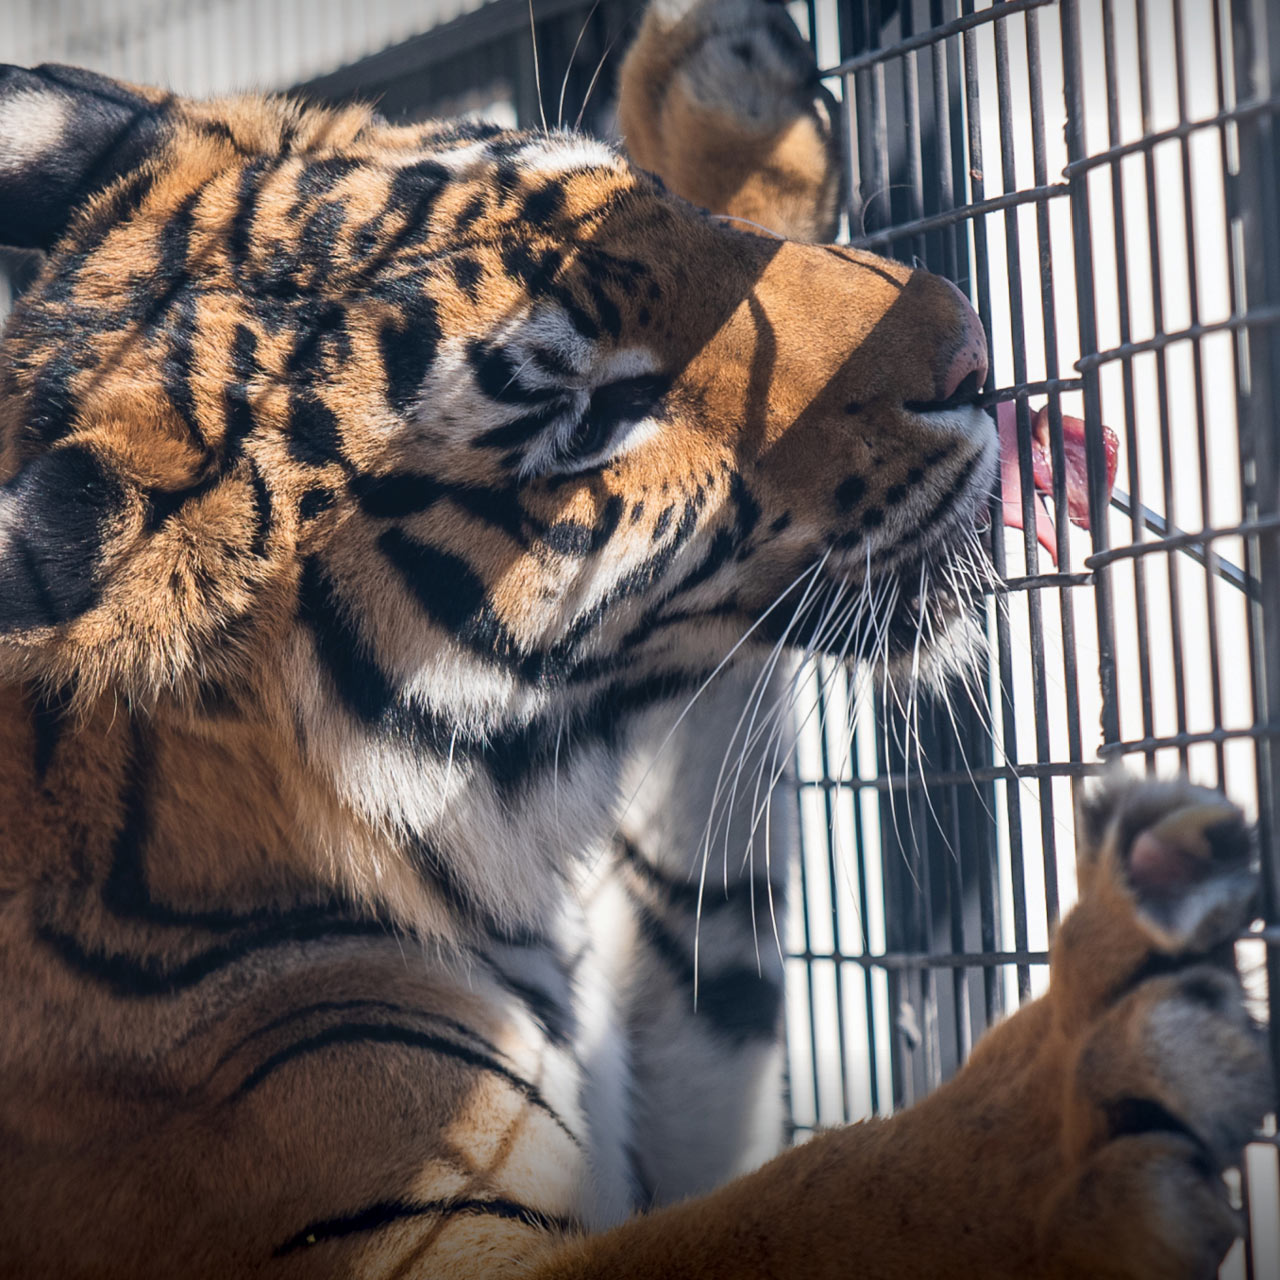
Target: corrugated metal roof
(204, 47)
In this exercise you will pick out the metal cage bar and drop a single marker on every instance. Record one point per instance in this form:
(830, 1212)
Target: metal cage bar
(1031, 151)
(1118, 245)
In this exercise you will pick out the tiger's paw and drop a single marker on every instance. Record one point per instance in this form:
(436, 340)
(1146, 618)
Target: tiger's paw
(722, 99)
(1166, 1076)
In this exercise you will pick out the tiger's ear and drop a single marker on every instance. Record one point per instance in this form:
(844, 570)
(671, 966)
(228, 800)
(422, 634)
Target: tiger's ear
(65, 134)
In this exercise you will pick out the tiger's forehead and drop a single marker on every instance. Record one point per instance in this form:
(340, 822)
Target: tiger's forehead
(477, 174)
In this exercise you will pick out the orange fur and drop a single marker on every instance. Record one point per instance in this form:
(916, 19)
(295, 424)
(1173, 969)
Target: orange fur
(240, 1000)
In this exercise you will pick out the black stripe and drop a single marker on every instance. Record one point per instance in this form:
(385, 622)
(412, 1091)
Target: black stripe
(928, 524)
(135, 976)
(497, 374)
(53, 404)
(570, 538)
(240, 236)
(462, 900)
(347, 1006)
(408, 348)
(686, 895)
(385, 1212)
(404, 493)
(322, 332)
(261, 512)
(371, 1033)
(219, 129)
(471, 212)
(319, 242)
(414, 191)
(126, 893)
(362, 685)
(49, 710)
(523, 429)
(740, 1003)
(314, 433)
(164, 504)
(63, 503)
(178, 360)
(397, 494)
(555, 1019)
(237, 406)
(455, 598)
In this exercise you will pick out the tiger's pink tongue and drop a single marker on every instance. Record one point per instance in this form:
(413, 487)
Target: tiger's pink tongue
(1077, 484)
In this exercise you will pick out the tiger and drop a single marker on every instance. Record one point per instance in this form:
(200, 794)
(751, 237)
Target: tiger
(370, 496)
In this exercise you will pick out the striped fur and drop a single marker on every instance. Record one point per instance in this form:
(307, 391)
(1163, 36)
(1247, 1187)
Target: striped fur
(374, 500)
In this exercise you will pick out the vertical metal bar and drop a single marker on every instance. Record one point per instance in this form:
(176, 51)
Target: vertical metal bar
(1136, 528)
(833, 886)
(1256, 41)
(812, 1022)
(927, 831)
(1073, 83)
(950, 262)
(1155, 258)
(1197, 365)
(955, 907)
(911, 112)
(1229, 151)
(1066, 605)
(856, 119)
(1004, 649)
(882, 191)
(868, 987)
(988, 878)
(1013, 259)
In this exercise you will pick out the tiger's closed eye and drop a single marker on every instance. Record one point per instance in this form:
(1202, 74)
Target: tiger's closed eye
(611, 409)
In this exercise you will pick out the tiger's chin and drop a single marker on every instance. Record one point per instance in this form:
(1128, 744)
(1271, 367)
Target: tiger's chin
(918, 627)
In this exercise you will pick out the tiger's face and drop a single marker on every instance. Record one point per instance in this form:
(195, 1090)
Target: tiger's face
(460, 436)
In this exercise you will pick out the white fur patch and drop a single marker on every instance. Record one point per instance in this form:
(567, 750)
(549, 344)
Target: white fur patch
(31, 125)
(8, 516)
(565, 154)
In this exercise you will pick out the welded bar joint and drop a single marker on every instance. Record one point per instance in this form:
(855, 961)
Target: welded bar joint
(1258, 317)
(925, 38)
(904, 230)
(1148, 142)
(1245, 529)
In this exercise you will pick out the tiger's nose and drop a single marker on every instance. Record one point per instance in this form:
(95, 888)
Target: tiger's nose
(969, 360)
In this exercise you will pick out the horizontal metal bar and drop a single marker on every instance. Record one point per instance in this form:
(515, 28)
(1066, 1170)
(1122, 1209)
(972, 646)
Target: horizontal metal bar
(1259, 316)
(1156, 523)
(1178, 541)
(1179, 740)
(1039, 581)
(1268, 934)
(1047, 387)
(1029, 195)
(911, 960)
(955, 27)
(959, 777)
(1242, 111)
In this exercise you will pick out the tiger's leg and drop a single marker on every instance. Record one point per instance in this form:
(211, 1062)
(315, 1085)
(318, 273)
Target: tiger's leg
(721, 98)
(1086, 1136)
(701, 896)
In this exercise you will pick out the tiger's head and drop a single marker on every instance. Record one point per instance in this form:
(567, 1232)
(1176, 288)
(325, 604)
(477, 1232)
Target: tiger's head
(444, 445)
